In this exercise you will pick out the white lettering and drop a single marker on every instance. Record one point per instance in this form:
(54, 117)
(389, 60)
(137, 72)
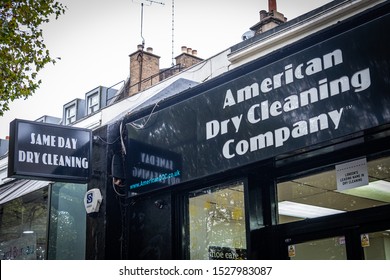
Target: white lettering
(212, 129)
(361, 80)
(237, 122)
(229, 99)
(53, 141)
(279, 136)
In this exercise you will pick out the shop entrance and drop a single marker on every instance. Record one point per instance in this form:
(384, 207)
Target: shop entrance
(337, 238)
(217, 226)
(339, 212)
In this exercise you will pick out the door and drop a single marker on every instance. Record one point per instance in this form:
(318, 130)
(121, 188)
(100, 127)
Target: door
(341, 211)
(331, 248)
(216, 223)
(376, 245)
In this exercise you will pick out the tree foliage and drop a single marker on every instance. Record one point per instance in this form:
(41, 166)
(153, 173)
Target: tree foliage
(22, 50)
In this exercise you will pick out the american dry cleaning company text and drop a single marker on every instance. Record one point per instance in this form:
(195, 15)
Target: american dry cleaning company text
(265, 110)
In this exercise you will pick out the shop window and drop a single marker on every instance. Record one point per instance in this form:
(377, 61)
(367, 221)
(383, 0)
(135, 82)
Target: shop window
(217, 223)
(67, 223)
(332, 191)
(23, 230)
(376, 245)
(332, 248)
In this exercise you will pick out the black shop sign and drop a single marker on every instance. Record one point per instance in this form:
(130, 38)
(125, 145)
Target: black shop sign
(49, 152)
(151, 167)
(330, 90)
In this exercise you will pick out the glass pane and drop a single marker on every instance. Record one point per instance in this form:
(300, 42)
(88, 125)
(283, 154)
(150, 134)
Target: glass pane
(324, 249)
(217, 223)
(317, 195)
(376, 245)
(67, 228)
(93, 103)
(70, 114)
(23, 228)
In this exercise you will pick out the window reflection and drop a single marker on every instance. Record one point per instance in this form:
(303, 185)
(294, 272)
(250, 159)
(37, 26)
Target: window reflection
(217, 223)
(324, 249)
(67, 222)
(317, 195)
(23, 226)
(376, 245)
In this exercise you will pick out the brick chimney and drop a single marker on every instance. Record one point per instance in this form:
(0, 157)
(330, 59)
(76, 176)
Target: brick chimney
(272, 5)
(144, 69)
(187, 58)
(270, 19)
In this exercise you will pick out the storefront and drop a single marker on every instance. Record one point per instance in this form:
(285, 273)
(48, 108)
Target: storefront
(42, 213)
(286, 157)
(47, 223)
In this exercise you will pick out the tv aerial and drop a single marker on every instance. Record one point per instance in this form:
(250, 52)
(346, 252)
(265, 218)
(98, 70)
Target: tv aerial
(148, 3)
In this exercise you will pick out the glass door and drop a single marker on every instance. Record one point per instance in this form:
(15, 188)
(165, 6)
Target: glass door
(324, 213)
(217, 228)
(332, 248)
(376, 245)
(349, 186)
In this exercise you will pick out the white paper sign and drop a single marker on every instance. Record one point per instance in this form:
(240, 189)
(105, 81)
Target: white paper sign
(352, 174)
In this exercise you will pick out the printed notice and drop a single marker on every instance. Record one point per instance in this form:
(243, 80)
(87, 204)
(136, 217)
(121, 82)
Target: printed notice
(352, 174)
(365, 240)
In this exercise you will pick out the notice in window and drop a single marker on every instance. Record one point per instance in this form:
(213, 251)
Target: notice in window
(352, 174)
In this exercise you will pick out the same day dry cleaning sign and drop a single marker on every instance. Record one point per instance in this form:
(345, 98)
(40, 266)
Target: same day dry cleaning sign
(46, 151)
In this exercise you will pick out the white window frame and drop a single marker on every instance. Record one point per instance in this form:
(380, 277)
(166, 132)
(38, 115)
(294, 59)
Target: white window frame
(70, 114)
(93, 103)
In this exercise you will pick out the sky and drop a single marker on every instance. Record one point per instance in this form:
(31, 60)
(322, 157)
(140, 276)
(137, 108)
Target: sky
(94, 38)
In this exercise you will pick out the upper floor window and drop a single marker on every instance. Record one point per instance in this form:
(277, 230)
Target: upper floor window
(93, 103)
(70, 114)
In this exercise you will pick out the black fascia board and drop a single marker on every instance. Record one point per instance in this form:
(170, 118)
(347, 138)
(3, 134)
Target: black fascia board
(340, 27)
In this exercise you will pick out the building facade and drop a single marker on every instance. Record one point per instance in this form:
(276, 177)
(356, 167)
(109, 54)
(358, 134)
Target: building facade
(279, 152)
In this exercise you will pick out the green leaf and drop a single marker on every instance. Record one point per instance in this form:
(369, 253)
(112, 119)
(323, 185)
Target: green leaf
(22, 48)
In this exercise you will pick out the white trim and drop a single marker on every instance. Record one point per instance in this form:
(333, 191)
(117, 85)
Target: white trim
(300, 30)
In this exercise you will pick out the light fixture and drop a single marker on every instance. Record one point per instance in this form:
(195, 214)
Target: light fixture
(294, 209)
(28, 231)
(378, 190)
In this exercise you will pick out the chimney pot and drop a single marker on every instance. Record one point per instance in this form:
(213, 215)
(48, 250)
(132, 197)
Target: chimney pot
(184, 49)
(263, 14)
(194, 52)
(140, 47)
(149, 49)
(271, 5)
(189, 50)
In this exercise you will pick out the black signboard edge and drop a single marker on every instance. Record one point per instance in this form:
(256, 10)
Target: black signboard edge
(13, 145)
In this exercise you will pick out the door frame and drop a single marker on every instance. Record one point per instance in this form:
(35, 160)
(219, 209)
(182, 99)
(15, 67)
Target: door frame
(350, 224)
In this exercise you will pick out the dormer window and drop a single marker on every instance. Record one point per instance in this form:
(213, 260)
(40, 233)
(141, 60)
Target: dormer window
(70, 114)
(73, 111)
(93, 103)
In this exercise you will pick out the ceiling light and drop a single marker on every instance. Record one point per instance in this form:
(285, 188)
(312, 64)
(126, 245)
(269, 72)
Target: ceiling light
(378, 190)
(294, 209)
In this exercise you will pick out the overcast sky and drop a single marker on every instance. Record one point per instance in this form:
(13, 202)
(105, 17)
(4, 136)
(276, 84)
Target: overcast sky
(95, 37)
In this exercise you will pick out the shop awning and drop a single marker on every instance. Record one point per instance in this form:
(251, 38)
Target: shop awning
(19, 188)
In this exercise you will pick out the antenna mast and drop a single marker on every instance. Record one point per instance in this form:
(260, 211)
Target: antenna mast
(142, 16)
(173, 31)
